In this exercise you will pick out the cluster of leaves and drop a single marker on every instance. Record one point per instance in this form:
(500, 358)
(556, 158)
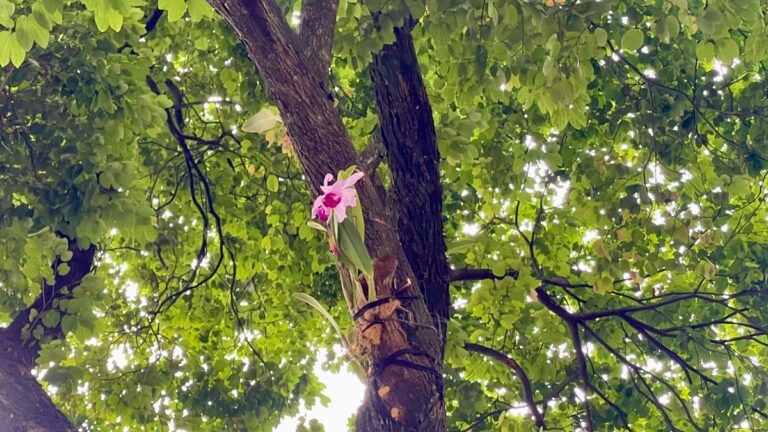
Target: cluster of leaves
(611, 152)
(89, 154)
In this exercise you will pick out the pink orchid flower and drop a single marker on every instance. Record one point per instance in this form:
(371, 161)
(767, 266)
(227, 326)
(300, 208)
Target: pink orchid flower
(336, 197)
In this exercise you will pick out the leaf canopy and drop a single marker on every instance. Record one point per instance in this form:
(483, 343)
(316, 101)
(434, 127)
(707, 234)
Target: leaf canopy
(618, 144)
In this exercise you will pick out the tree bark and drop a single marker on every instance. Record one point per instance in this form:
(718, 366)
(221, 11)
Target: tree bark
(24, 405)
(408, 132)
(316, 29)
(405, 391)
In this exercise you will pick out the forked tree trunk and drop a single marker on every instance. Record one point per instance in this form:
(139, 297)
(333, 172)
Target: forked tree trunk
(405, 388)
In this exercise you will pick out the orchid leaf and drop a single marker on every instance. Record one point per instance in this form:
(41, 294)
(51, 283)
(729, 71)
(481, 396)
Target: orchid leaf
(317, 226)
(351, 247)
(308, 299)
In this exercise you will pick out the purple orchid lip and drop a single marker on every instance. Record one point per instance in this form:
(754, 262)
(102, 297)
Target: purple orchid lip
(331, 200)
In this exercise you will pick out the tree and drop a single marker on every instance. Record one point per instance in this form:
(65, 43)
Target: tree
(596, 170)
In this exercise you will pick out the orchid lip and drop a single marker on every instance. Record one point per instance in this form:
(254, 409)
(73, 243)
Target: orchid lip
(331, 200)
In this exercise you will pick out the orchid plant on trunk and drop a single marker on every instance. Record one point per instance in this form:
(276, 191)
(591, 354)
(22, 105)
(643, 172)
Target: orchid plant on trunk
(339, 210)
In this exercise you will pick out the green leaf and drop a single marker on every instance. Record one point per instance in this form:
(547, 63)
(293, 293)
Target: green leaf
(115, 20)
(68, 324)
(672, 27)
(680, 234)
(272, 183)
(727, 50)
(317, 226)
(51, 318)
(63, 269)
(175, 8)
(352, 248)
(39, 34)
(66, 255)
(264, 120)
(341, 175)
(24, 34)
(308, 299)
(6, 39)
(601, 250)
(199, 9)
(632, 40)
(705, 51)
(710, 21)
(499, 269)
(52, 6)
(601, 37)
(202, 44)
(461, 246)
(603, 285)
(7, 8)
(707, 269)
(18, 54)
(101, 18)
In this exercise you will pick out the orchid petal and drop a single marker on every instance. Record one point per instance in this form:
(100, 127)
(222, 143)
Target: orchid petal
(325, 187)
(341, 213)
(351, 180)
(348, 198)
(318, 210)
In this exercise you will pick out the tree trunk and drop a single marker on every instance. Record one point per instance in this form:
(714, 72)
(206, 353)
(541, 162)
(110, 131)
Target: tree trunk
(24, 405)
(408, 132)
(405, 391)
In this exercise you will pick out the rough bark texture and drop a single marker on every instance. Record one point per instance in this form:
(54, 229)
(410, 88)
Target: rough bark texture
(24, 405)
(405, 374)
(316, 28)
(408, 132)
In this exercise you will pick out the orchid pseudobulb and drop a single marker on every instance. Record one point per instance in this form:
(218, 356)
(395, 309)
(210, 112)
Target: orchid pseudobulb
(336, 197)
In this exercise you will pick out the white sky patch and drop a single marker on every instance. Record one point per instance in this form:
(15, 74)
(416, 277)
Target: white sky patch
(119, 358)
(694, 209)
(345, 392)
(559, 193)
(530, 143)
(589, 236)
(131, 290)
(656, 174)
(471, 229)
(460, 303)
(721, 69)
(519, 411)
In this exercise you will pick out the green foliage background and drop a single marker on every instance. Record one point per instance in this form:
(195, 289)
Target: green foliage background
(625, 139)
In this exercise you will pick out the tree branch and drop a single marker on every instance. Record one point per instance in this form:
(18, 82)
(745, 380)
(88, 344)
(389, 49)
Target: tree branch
(538, 418)
(582, 362)
(374, 153)
(408, 132)
(472, 274)
(319, 137)
(80, 265)
(316, 29)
